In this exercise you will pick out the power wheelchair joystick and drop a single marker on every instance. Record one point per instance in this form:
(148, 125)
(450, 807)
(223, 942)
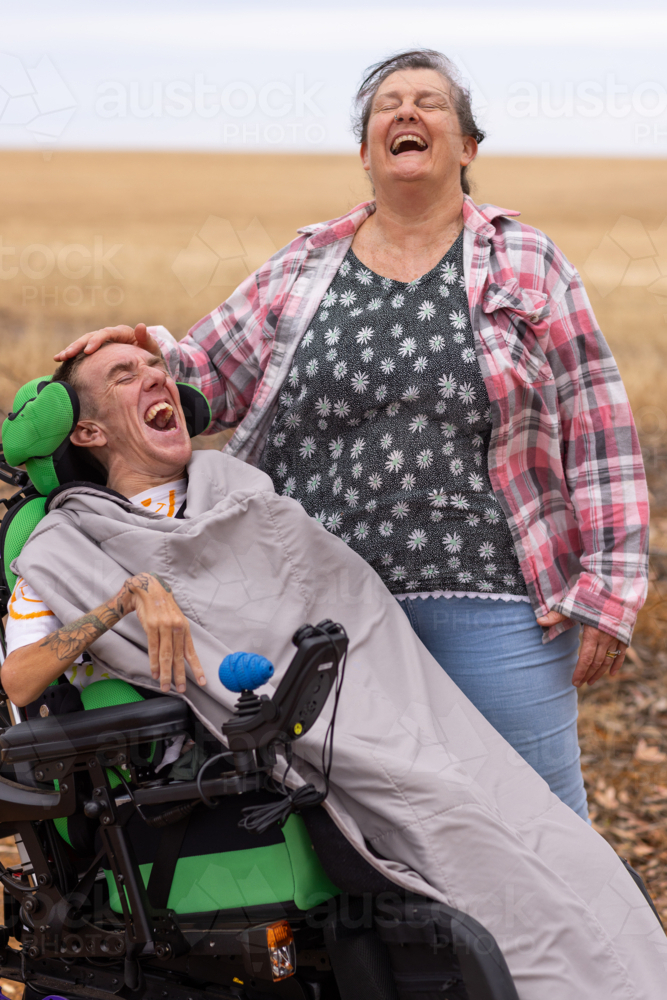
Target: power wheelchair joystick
(261, 725)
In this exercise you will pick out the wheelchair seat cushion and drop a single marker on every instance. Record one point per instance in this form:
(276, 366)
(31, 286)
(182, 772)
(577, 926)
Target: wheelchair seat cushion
(223, 867)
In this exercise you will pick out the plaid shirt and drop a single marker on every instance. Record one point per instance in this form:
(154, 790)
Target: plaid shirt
(564, 458)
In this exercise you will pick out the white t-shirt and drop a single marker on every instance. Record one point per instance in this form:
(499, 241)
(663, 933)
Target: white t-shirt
(29, 619)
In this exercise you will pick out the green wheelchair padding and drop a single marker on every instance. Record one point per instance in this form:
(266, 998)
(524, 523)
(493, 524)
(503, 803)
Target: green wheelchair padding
(40, 422)
(255, 877)
(258, 876)
(23, 522)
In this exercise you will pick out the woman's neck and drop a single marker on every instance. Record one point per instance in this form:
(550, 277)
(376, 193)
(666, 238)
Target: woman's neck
(408, 234)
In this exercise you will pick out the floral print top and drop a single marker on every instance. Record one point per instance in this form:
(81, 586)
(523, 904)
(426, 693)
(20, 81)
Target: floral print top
(383, 432)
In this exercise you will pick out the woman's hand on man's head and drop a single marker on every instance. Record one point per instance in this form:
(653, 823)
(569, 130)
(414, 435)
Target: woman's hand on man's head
(595, 657)
(89, 342)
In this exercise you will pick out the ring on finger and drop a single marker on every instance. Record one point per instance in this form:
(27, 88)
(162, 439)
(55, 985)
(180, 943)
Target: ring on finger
(613, 654)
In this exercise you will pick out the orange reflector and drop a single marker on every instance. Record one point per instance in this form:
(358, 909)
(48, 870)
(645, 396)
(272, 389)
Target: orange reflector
(282, 954)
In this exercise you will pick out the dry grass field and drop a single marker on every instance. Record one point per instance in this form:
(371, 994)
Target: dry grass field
(90, 239)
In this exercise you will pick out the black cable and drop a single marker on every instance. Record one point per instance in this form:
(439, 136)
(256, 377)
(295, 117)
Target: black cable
(257, 819)
(211, 803)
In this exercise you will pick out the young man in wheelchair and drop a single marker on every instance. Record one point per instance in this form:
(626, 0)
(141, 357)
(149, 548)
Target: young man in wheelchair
(185, 558)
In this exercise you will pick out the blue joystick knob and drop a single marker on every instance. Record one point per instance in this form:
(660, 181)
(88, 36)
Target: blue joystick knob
(244, 671)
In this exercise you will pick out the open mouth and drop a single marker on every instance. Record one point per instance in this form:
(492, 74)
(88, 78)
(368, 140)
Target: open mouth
(161, 417)
(408, 143)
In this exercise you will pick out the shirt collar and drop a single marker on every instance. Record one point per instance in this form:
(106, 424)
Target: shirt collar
(478, 218)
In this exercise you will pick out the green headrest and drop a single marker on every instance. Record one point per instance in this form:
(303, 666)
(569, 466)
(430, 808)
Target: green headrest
(44, 415)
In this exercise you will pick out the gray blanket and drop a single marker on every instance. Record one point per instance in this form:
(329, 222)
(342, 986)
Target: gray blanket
(418, 773)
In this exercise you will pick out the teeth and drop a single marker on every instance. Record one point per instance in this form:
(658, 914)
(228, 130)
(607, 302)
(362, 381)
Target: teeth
(164, 409)
(408, 138)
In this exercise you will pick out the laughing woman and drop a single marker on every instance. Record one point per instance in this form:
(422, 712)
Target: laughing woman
(426, 377)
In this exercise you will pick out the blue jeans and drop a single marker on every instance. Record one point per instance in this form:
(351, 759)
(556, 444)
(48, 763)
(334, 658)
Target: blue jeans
(493, 651)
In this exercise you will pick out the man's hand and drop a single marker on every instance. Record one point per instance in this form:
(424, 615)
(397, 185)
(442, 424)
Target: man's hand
(593, 661)
(167, 629)
(29, 670)
(89, 342)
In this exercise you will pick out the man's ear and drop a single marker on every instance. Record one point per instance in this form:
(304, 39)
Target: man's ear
(88, 434)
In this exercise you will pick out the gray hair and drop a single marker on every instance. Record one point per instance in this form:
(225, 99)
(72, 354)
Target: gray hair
(416, 59)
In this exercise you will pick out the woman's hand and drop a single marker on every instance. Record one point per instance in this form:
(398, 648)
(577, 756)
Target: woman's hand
(89, 342)
(593, 661)
(167, 629)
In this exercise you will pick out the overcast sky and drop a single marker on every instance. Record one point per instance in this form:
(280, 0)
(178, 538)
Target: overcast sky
(582, 77)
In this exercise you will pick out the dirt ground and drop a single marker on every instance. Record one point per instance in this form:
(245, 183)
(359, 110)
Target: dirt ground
(90, 239)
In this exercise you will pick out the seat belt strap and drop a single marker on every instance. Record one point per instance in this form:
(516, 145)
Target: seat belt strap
(164, 866)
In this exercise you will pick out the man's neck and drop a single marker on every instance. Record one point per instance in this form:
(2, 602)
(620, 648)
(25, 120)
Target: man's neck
(131, 484)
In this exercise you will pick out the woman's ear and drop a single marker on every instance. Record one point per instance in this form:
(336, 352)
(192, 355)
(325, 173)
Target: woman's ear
(88, 434)
(469, 150)
(365, 158)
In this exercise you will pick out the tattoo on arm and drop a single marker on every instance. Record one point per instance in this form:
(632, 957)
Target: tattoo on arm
(71, 640)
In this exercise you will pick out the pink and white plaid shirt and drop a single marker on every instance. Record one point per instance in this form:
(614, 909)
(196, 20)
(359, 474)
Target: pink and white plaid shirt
(564, 457)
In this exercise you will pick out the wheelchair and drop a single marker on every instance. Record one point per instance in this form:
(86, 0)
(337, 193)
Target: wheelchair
(202, 877)
(136, 885)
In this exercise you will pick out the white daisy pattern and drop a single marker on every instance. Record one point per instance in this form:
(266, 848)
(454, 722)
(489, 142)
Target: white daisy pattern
(383, 430)
(458, 319)
(359, 381)
(426, 310)
(395, 461)
(308, 447)
(418, 423)
(417, 539)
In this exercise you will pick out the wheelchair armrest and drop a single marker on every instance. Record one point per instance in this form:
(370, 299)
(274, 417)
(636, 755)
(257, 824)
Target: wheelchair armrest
(93, 731)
